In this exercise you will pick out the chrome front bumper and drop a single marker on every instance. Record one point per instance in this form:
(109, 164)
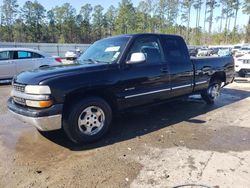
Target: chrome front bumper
(47, 123)
(43, 119)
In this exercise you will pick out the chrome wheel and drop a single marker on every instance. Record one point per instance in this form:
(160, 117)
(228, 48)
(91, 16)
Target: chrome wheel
(214, 91)
(91, 120)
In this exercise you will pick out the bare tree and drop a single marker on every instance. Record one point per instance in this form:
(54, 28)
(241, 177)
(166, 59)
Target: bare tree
(211, 5)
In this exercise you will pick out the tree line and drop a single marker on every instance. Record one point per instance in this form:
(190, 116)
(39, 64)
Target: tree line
(63, 24)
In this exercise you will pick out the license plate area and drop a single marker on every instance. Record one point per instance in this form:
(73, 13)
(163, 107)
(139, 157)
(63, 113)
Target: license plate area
(19, 101)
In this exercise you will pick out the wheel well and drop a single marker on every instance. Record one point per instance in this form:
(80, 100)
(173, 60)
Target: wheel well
(218, 76)
(75, 96)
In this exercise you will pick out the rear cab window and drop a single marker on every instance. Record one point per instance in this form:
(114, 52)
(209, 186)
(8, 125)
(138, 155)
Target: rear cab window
(175, 50)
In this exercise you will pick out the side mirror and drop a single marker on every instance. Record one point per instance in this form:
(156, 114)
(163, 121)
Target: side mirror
(137, 58)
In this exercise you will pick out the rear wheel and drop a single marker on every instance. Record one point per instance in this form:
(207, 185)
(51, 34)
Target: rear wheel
(88, 120)
(212, 93)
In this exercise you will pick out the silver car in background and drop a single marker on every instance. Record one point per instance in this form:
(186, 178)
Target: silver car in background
(16, 60)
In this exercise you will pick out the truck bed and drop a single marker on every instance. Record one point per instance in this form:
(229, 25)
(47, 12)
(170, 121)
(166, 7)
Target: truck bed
(210, 65)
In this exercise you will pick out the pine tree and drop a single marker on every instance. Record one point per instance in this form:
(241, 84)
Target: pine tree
(98, 21)
(9, 11)
(125, 22)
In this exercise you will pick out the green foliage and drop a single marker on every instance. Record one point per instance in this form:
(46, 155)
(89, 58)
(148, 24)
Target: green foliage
(125, 21)
(110, 17)
(98, 22)
(9, 12)
(33, 15)
(63, 24)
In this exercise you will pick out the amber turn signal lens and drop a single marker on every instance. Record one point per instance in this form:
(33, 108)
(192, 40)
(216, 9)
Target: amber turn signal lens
(44, 104)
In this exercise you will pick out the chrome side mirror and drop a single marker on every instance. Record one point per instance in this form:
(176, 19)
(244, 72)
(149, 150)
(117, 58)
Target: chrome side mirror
(137, 58)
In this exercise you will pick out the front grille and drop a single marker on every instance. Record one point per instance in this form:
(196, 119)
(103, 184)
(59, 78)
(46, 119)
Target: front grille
(19, 100)
(19, 87)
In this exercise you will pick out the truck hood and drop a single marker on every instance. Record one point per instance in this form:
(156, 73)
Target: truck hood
(34, 77)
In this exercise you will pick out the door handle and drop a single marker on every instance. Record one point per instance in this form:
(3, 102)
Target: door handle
(164, 70)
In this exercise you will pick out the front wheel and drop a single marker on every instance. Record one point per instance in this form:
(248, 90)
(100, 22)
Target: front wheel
(88, 120)
(212, 93)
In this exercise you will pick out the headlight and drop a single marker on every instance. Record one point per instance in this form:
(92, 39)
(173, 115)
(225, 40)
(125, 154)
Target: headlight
(39, 90)
(39, 104)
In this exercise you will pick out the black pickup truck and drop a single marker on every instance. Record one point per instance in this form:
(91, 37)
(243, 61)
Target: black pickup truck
(114, 74)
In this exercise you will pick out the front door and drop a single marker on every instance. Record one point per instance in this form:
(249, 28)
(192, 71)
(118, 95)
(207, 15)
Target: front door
(148, 81)
(7, 65)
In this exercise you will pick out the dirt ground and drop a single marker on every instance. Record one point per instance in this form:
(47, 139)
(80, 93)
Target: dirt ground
(168, 145)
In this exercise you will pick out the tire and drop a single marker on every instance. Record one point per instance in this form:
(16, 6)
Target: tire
(212, 92)
(87, 120)
(242, 74)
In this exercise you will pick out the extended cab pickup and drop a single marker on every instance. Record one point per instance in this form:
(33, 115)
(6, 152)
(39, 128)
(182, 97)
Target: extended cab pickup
(114, 74)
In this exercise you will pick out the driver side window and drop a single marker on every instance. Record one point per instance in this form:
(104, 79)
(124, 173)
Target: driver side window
(5, 55)
(151, 48)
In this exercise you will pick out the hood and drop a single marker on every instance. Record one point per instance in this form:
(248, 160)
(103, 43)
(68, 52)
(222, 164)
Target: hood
(34, 77)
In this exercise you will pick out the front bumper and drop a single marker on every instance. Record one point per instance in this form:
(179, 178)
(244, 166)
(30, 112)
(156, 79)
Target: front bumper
(43, 119)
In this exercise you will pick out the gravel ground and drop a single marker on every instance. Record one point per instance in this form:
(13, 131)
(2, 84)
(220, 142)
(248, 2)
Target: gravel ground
(168, 145)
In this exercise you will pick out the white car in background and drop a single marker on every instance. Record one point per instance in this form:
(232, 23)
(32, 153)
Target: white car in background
(16, 60)
(236, 49)
(243, 51)
(242, 65)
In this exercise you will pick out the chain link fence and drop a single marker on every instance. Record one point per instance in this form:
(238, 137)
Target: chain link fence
(50, 48)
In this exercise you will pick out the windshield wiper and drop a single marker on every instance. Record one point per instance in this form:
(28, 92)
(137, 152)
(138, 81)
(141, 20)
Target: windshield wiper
(91, 61)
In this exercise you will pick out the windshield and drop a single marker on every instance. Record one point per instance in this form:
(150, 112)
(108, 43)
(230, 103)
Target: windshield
(104, 51)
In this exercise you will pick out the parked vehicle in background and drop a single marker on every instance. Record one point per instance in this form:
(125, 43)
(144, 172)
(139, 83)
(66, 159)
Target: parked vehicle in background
(224, 52)
(242, 65)
(16, 60)
(204, 52)
(112, 75)
(214, 51)
(193, 52)
(236, 49)
(72, 55)
(244, 50)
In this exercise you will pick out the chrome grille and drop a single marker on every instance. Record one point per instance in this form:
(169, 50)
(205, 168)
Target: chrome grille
(19, 100)
(246, 61)
(19, 87)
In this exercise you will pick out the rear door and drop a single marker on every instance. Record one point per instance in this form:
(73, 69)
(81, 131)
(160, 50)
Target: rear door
(7, 65)
(145, 82)
(180, 66)
(24, 60)
(39, 60)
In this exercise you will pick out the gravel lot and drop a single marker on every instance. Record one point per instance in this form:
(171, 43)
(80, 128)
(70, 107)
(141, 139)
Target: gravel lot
(169, 145)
